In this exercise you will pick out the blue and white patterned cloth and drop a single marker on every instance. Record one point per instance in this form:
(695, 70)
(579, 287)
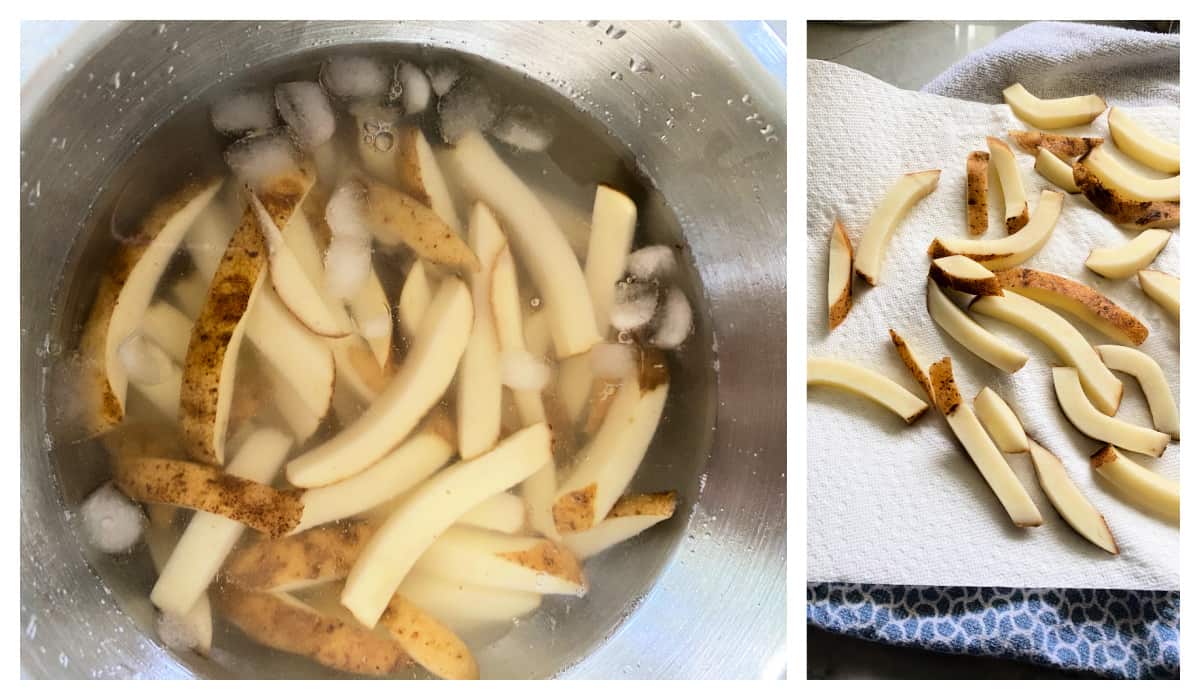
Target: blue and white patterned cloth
(1120, 634)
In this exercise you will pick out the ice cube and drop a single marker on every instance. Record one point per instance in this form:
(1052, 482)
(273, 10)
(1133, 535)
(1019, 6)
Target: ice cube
(306, 110)
(113, 523)
(651, 262)
(416, 88)
(346, 212)
(244, 112)
(613, 360)
(442, 77)
(675, 321)
(522, 371)
(258, 159)
(143, 361)
(347, 265)
(177, 632)
(634, 304)
(524, 129)
(469, 107)
(355, 77)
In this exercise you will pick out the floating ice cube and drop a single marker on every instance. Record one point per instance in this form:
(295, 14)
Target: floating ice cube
(633, 305)
(258, 159)
(177, 632)
(613, 360)
(524, 129)
(442, 77)
(675, 321)
(142, 360)
(305, 108)
(469, 107)
(416, 87)
(651, 262)
(355, 77)
(346, 212)
(522, 371)
(347, 265)
(244, 112)
(113, 523)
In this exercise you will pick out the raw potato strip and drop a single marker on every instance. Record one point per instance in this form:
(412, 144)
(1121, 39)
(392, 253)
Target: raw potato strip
(1162, 288)
(535, 238)
(282, 622)
(419, 385)
(211, 365)
(169, 329)
(414, 299)
(368, 308)
(1129, 183)
(297, 562)
(998, 254)
(1141, 145)
(1000, 421)
(405, 467)
(463, 606)
(972, 336)
(867, 383)
(1067, 499)
(1012, 185)
(209, 538)
(503, 512)
(841, 275)
(900, 198)
(1077, 299)
(479, 376)
(614, 217)
(430, 510)
(1084, 416)
(1125, 260)
(198, 618)
(1053, 114)
(1120, 208)
(629, 517)
(1056, 171)
(397, 218)
(486, 558)
(289, 404)
(963, 274)
(1146, 488)
(164, 395)
(1163, 412)
(418, 174)
(124, 294)
(1065, 147)
(430, 643)
(1102, 387)
(915, 366)
(977, 192)
(988, 460)
(189, 292)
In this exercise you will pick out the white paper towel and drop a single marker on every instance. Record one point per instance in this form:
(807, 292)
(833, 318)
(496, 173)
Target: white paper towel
(897, 504)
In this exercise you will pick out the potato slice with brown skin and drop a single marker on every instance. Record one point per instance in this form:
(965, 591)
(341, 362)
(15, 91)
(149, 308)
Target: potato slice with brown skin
(965, 275)
(1078, 299)
(1121, 209)
(430, 643)
(915, 366)
(201, 487)
(418, 174)
(841, 275)
(1012, 185)
(282, 622)
(1061, 145)
(977, 192)
(313, 557)
(630, 516)
(1146, 488)
(1067, 499)
(400, 218)
(1001, 253)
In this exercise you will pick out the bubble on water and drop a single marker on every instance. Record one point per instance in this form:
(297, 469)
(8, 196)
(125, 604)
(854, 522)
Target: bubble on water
(162, 28)
(753, 117)
(384, 141)
(31, 628)
(614, 32)
(616, 75)
(639, 64)
(174, 45)
(535, 302)
(64, 660)
(767, 130)
(593, 22)
(116, 80)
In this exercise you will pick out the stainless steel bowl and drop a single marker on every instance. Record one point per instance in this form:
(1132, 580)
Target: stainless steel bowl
(681, 113)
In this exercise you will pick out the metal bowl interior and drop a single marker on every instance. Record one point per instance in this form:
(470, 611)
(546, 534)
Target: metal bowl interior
(698, 139)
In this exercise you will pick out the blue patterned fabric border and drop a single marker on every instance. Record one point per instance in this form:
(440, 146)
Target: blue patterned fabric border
(1121, 634)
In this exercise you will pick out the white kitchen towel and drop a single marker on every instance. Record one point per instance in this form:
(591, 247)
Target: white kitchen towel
(890, 503)
(1061, 59)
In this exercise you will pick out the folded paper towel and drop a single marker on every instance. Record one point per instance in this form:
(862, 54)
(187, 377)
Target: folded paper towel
(889, 503)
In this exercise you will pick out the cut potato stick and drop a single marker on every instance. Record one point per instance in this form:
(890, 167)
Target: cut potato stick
(1136, 142)
(169, 328)
(282, 622)
(290, 405)
(1147, 489)
(466, 607)
(575, 379)
(1129, 183)
(189, 292)
(396, 218)
(841, 275)
(614, 217)
(124, 294)
(209, 538)
(301, 561)
(494, 559)
(1056, 171)
(198, 619)
(420, 383)
(1053, 114)
(1091, 422)
(537, 333)
(479, 375)
(1067, 499)
(982, 451)
(867, 383)
(1002, 253)
(372, 314)
(1162, 288)
(1012, 185)
(503, 512)
(900, 198)
(916, 367)
(419, 175)
(1120, 208)
(963, 274)
(977, 192)
(1077, 299)
(163, 394)
(1163, 411)
(972, 336)
(1125, 260)
(1064, 147)
(414, 299)
(408, 465)
(430, 510)
(1102, 387)
(536, 239)
(629, 517)
(1000, 421)
(427, 641)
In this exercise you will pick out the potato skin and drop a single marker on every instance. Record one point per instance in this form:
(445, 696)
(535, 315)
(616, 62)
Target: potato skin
(406, 219)
(430, 643)
(1061, 145)
(910, 362)
(326, 552)
(987, 286)
(840, 308)
(1119, 208)
(945, 390)
(1106, 309)
(977, 192)
(1016, 223)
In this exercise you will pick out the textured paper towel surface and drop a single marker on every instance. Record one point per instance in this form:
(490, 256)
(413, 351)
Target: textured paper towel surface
(898, 504)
